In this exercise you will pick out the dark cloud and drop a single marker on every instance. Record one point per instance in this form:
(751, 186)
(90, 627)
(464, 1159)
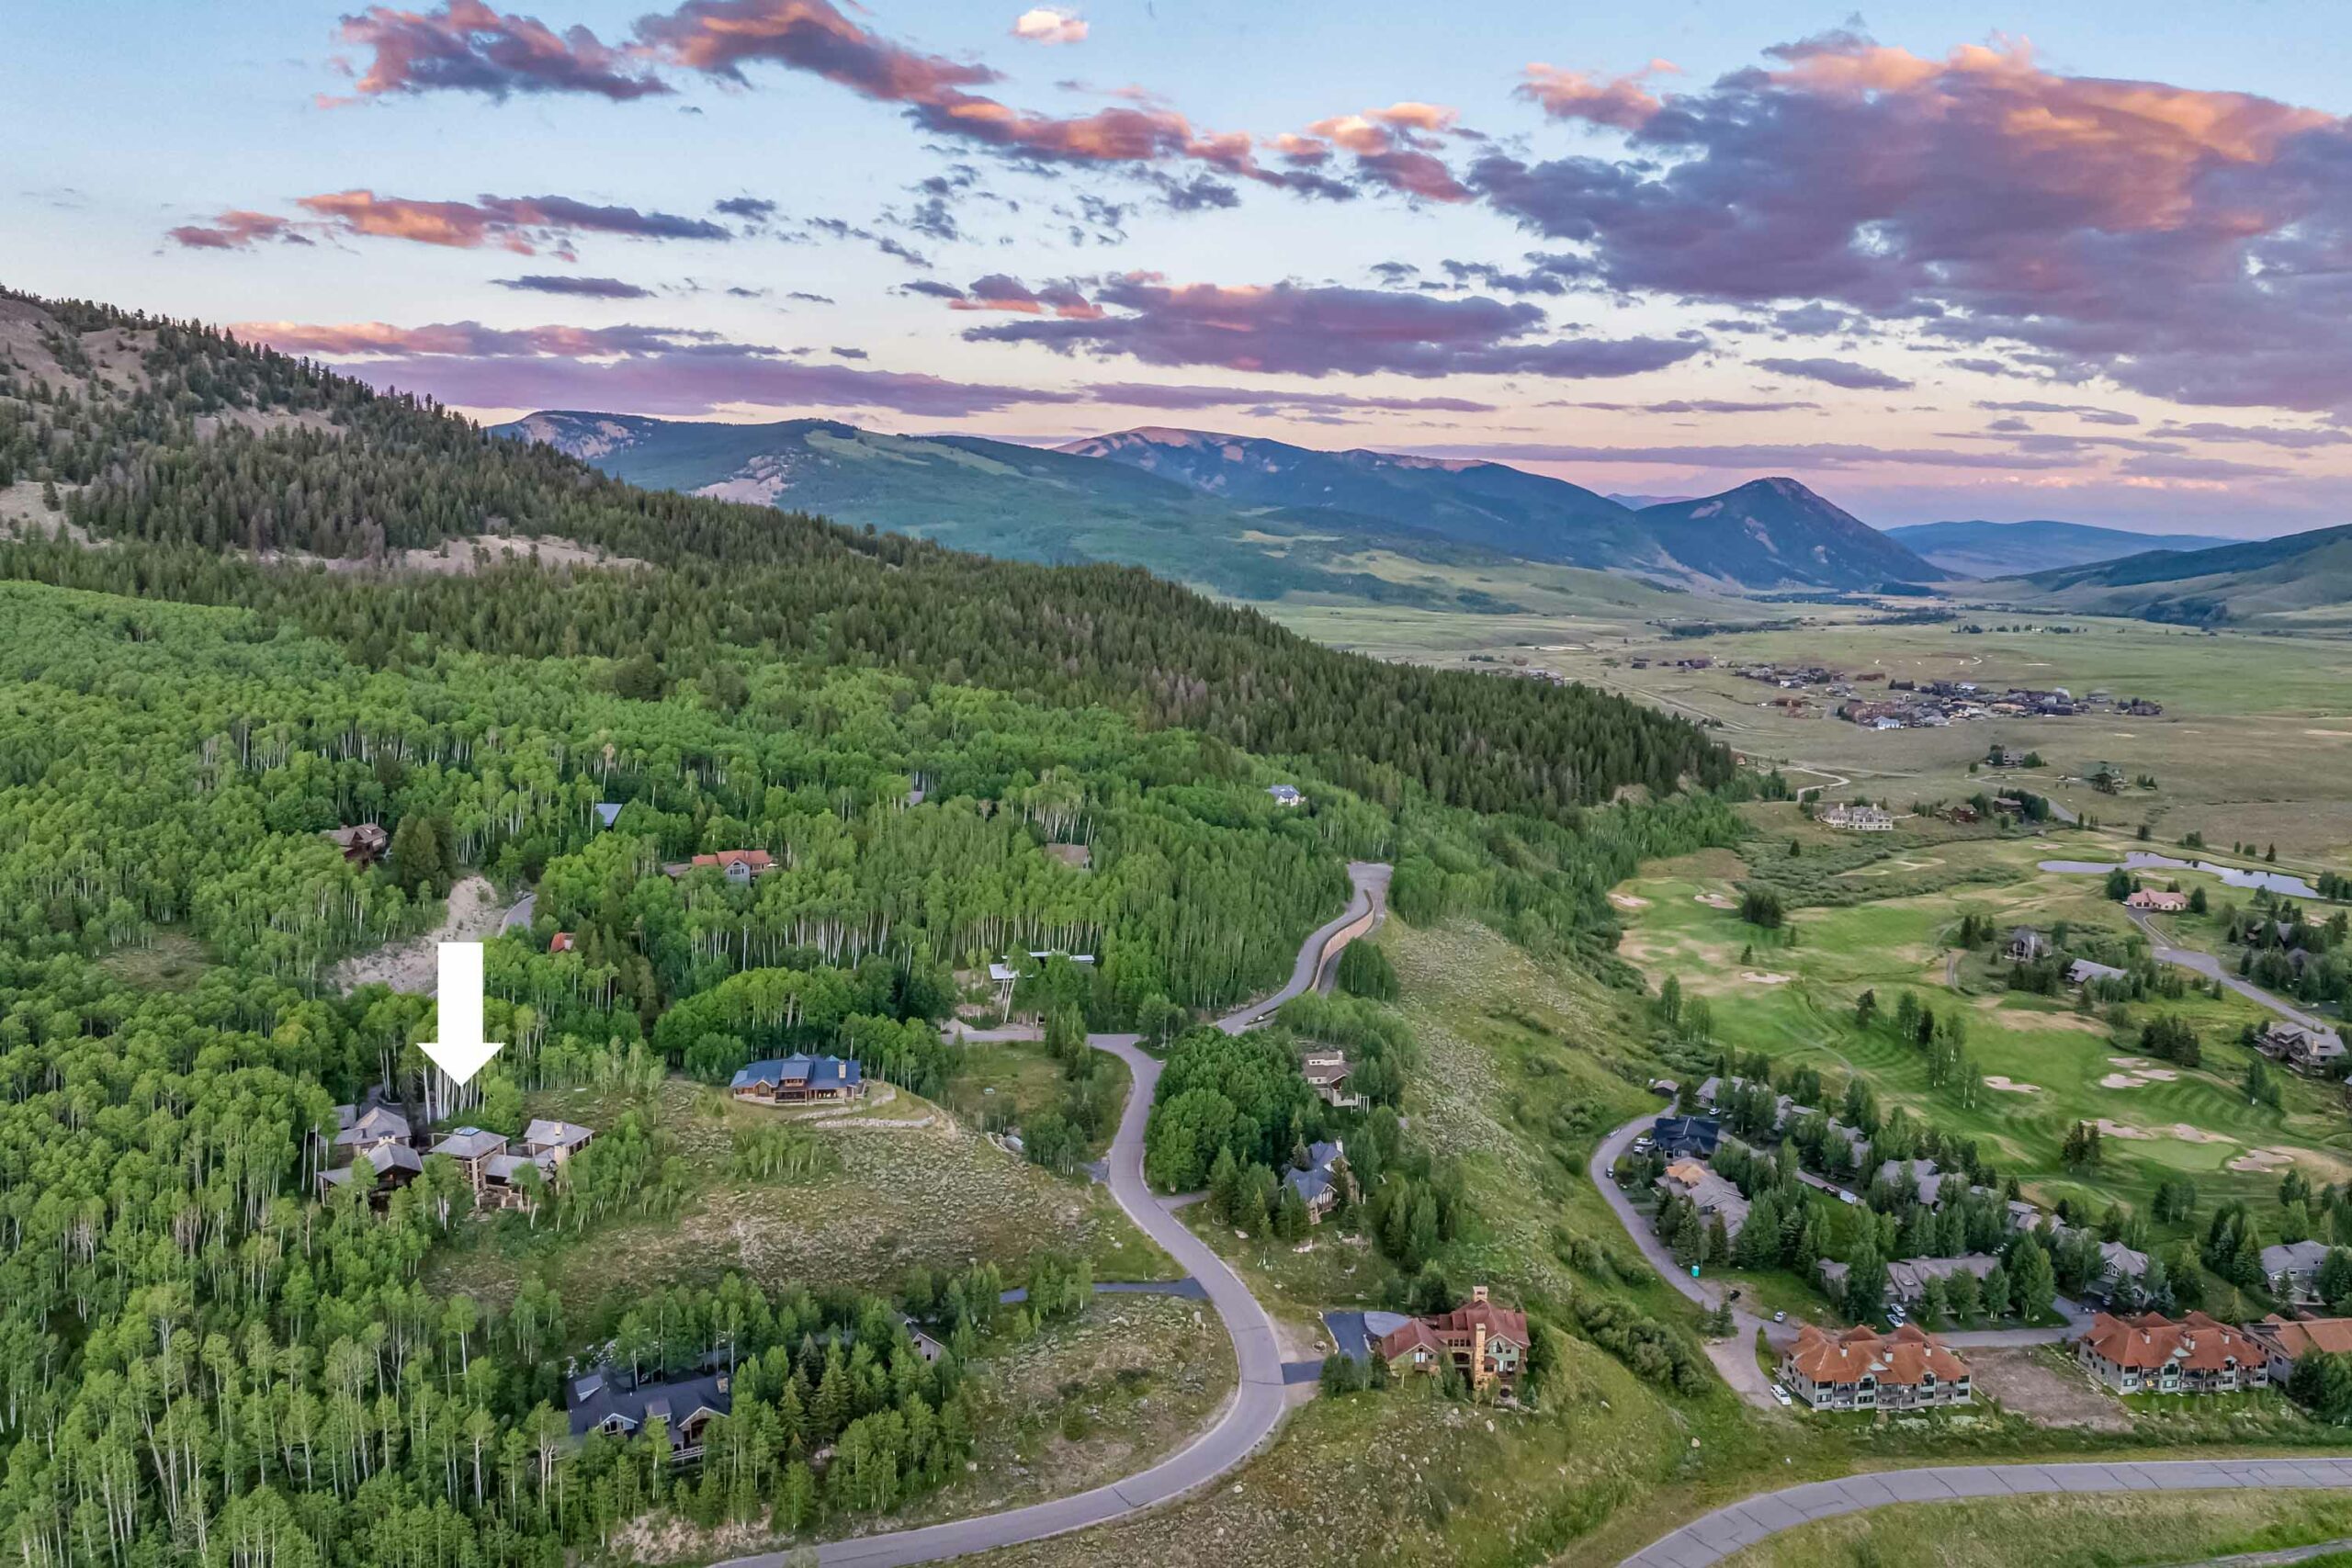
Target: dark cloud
(466, 47)
(1837, 373)
(2157, 466)
(655, 370)
(580, 287)
(840, 353)
(932, 287)
(237, 229)
(2081, 410)
(750, 208)
(1545, 273)
(1697, 405)
(523, 224)
(2186, 243)
(1309, 331)
(1152, 395)
(799, 294)
(2256, 435)
(999, 292)
(1752, 456)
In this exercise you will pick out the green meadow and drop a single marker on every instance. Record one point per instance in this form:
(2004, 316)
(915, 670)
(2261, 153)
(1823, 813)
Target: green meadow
(2045, 1064)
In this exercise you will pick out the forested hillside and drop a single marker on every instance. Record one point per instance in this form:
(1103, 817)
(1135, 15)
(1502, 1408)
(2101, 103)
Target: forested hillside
(338, 472)
(202, 1361)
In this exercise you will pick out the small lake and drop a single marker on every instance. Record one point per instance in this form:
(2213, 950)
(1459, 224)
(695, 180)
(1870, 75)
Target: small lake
(2142, 860)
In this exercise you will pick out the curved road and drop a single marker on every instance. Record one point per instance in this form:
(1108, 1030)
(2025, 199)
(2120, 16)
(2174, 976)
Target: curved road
(2205, 963)
(1718, 1535)
(1256, 1408)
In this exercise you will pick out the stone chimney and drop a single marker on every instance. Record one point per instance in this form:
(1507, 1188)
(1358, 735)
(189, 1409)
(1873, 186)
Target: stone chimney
(1478, 1352)
(1478, 1295)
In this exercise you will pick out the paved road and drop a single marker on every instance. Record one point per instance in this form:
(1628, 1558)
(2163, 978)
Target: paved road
(525, 911)
(1321, 949)
(1260, 1397)
(1727, 1529)
(2205, 963)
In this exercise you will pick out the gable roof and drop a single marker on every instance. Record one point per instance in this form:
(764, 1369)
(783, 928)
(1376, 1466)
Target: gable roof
(470, 1142)
(544, 1134)
(2295, 1336)
(596, 1397)
(817, 1072)
(2148, 1341)
(1905, 1358)
(2294, 1258)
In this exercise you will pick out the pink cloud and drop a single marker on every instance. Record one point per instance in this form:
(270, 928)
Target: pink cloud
(1042, 24)
(522, 224)
(2182, 242)
(468, 46)
(1620, 101)
(237, 229)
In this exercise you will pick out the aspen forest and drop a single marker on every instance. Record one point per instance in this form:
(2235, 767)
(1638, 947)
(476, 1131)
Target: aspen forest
(212, 655)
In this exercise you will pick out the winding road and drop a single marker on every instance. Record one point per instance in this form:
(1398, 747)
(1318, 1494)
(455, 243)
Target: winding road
(1249, 1418)
(1726, 1530)
(2205, 963)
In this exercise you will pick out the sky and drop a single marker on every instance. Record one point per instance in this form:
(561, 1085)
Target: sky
(2073, 258)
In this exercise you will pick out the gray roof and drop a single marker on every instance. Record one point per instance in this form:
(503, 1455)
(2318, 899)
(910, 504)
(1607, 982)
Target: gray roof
(817, 1072)
(2082, 971)
(2294, 1258)
(372, 1126)
(605, 1396)
(543, 1133)
(470, 1142)
(607, 811)
(1318, 1179)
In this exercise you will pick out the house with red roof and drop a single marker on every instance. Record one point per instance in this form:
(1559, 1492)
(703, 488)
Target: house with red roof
(2152, 1354)
(1485, 1343)
(1861, 1368)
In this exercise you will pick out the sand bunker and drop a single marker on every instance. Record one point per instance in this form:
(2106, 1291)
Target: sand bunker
(1717, 901)
(2262, 1162)
(2139, 1078)
(2180, 1130)
(1753, 978)
(2331, 734)
(2118, 1130)
(1995, 1081)
(2190, 1135)
(1629, 900)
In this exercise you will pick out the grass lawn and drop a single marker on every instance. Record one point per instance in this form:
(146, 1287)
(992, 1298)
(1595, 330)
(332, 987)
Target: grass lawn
(171, 960)
(889, 1199)
(2046, 1064)
(2059, 1531)
(2251, 745)
(1000, 1084)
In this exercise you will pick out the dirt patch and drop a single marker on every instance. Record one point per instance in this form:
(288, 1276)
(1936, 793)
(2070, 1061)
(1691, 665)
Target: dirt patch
(1629, 900)
(1995, 1081)
(414, 966)
(1718, 902)
(1078, 856)
(24, 515)
(2026, 1384)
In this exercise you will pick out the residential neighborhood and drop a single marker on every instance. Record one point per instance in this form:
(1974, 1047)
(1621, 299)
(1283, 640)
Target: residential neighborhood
(1860, 1368)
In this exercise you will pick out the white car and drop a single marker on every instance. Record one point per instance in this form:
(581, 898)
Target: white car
(1779, 1318)
(1779, 1394)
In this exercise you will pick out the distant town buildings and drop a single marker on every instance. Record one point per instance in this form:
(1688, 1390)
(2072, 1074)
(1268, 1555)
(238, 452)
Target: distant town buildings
(1857, 818)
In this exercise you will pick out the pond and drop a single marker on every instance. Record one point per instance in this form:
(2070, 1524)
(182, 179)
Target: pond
(2235, 876)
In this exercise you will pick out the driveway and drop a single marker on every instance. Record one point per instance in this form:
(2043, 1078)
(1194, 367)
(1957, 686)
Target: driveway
(1727, 1529)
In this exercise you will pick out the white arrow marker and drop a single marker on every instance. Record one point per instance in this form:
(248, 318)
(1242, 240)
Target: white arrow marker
(461, 1052)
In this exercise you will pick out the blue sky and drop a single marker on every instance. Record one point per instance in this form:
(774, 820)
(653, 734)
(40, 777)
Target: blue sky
(2082, 260)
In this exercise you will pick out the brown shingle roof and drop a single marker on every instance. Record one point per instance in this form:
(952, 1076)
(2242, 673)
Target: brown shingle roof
(2197, 1342)
(2295, 1336)
(1904, 1357)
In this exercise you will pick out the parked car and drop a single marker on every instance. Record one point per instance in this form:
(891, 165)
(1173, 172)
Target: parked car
(1779, 1394)
(1779, 1318)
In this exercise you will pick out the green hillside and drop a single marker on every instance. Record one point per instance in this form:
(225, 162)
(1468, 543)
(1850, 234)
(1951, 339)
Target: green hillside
(2301, 581)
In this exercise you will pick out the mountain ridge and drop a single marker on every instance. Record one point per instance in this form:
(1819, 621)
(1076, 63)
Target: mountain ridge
(1980, 549)
(1245, 516)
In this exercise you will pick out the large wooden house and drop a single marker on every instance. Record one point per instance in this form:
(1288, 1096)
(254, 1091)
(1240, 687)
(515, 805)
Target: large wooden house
(800, 1081)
